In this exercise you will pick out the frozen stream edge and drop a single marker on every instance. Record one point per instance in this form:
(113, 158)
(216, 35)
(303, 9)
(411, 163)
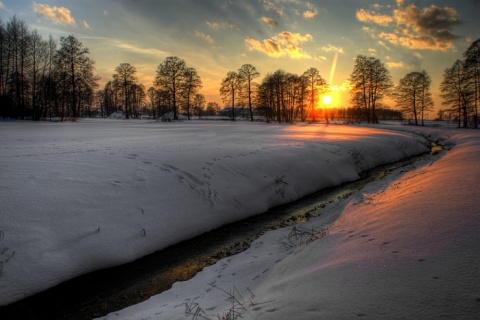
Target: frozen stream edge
(104, 291)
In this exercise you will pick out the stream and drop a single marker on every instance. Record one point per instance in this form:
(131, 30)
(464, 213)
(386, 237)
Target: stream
(101, 292)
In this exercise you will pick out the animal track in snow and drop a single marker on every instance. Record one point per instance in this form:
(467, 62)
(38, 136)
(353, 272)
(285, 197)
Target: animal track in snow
(200, 186)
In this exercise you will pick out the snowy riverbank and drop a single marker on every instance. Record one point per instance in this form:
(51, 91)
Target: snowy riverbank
(406, 247)
(81, 196)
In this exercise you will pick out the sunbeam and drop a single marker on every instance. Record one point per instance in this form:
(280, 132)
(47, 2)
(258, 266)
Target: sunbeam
(332, 70)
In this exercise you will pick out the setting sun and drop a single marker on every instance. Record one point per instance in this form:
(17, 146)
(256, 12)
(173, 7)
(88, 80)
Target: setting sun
(327, 99)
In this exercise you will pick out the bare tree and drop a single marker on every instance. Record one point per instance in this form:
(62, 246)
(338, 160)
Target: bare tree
(303, 94)
(472, 69)
(316, 86)
(458, 92)
(371, 82)
(49, 85)
(109, 99)
(190, 85)
(249, 73)
(17, 60)
(152, 97)
(230, 89)
(413, 95)
(212, 108)
(282, 96)
(39, 56)
(137, 99)
(170, 75)
(77, 69)
(124, 80)
(3, 59)
(199, 104)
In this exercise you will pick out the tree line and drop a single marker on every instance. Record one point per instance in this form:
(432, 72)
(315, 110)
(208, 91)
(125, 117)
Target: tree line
(461, 88)
(40, 78)
(287, 97)
(45, 79)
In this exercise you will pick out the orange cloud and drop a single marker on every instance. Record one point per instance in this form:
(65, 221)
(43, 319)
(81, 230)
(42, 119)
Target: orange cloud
(365, 16)
(393, 65)
(309, 14)
(268, 46)
(272, 23)
(56, 14)
(283, 44)
(416, 28)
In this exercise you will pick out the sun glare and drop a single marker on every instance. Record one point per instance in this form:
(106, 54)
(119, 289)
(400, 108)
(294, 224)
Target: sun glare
(327, 100)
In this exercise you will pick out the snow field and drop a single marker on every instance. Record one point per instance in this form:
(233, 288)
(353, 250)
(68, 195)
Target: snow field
(81, 196)
(403, 247)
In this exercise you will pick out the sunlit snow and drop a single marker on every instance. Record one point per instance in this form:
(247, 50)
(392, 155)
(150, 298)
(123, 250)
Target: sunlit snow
(82, 196)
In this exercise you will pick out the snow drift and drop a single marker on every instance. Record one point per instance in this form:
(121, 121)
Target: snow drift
(77, 197)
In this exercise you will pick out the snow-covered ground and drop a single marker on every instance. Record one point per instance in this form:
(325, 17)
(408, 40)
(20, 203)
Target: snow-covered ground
(406, 247)
(81, 196)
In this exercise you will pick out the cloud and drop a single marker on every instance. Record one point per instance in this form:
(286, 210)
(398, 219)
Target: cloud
(383, 44)
(86, 25)
(365, 16)
(270, 6)
(272, 23)
(204, 36)
(393, 65)
(2, 6)
(213, 25)
(428, 28)
(331, 48)
(136, 49)
(311, 12)
(418, 55)
(283, 44)
(221, 25)
(60, 15)
(268, 46)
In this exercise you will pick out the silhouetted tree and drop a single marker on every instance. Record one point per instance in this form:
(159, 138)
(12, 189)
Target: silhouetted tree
(212, 108)
(458, 91)
(371, 82)
(124, 80)
(472, 70)
(248, 73)
(76, 72)
(170, 77)
(230, 89)
(191, 83)
(282, 95)
(413, 95)
(316, 85)
(199, 104)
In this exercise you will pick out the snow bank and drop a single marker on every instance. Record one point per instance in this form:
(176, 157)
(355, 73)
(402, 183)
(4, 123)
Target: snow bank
(406, 247)
(82, 196)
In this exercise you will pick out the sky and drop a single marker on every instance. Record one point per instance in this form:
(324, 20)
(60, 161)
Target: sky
(218, 36)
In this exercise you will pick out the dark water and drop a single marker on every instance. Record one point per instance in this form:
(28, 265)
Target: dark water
(101, 292)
